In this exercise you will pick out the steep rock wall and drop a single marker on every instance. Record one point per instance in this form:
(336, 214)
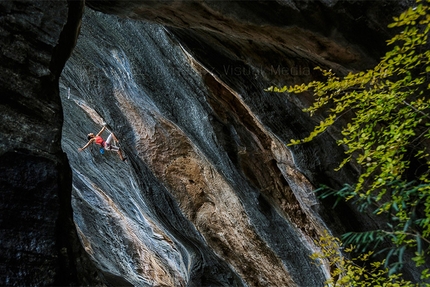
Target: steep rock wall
(350, 33)
(210, 195)
(180, 208)
(38, 240)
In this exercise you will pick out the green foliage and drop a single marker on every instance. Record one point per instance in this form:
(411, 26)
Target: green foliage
(360, 271)
(404, 224)
(389, 108)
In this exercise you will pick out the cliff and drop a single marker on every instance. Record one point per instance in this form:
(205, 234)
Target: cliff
(38, 240)
(210, 195)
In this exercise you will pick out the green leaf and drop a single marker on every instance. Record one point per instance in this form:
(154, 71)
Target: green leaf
(386, 111)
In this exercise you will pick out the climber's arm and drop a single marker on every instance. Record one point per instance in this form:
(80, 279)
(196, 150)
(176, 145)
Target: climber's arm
(101, 131)
(85, 146)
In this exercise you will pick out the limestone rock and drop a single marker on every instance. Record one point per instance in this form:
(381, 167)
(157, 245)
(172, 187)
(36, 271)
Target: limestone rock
(210, 194)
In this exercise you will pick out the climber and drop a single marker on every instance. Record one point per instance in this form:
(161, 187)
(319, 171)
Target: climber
(104, 144)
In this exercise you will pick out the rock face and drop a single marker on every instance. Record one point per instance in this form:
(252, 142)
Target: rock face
(186, 209)
(38, 241)
(210, 195)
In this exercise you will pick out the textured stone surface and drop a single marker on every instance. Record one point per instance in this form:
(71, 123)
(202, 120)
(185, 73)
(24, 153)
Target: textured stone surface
(341, 32)
(211, 195)
(38, 241)
(188, 202)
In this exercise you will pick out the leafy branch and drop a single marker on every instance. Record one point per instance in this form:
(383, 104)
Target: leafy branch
(390, 105)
